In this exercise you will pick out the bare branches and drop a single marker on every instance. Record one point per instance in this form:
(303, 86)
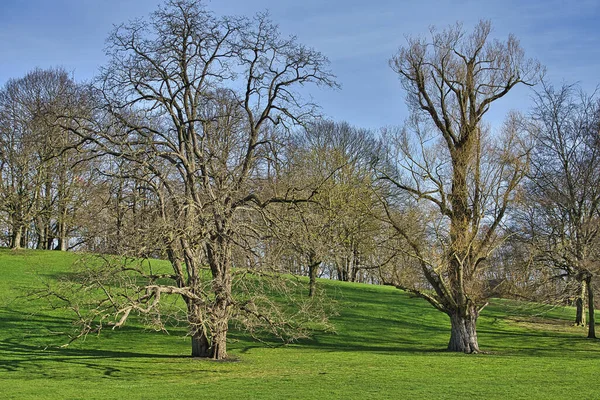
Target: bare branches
(560, 223)
(40, 185)
(195, 108)
(450, 163)
(455, 78)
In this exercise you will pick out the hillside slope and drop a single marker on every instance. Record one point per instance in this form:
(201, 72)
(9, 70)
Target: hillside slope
(387, 345)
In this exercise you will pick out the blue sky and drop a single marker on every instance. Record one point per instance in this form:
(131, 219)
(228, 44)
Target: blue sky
(359, 37)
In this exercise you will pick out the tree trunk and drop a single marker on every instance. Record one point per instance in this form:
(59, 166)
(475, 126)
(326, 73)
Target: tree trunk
(62, 237)
(63, 240)
(49, 234)
(200, 345)
(341, 274)
(591, 318)
(354, 265)
(579, 314)
(313, 269)
(218, 346)
(463, 337)
(219, 259)
(211, 344)
(342, 269)
(579, 304)
(200, 340)
(41, 233)
(25, 237)
(16, 238)
(312, 285)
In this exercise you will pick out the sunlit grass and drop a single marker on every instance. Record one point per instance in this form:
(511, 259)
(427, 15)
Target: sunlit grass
(387, 345)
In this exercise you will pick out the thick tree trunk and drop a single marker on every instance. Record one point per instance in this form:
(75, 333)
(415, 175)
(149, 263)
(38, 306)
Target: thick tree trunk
(461, 264)
(210, 340)
(214, 347)
(218, 346)
(219, 259)
(200, 345)
(580, 306)
(200, 339)
(463, 337)
(591, 318)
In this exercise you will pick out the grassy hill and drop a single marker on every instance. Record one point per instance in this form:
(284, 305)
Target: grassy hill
(387, 345)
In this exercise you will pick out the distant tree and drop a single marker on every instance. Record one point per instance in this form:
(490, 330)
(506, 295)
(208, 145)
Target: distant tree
(120, 210)
(335, 229)
(40, 185)
(461, 179)
(198, 104)
(562, 219)
(20, 180)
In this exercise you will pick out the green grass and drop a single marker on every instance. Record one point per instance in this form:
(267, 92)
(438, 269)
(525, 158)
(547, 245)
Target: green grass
(388, 345)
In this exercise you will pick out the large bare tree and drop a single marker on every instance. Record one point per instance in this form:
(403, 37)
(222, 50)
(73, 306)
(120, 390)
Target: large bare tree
(199, 103)
(461, 179)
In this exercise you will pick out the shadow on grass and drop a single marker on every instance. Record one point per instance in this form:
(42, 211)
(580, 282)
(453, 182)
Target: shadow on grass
(27, 345)
(394, 323)
(388, 323)
(16, 354)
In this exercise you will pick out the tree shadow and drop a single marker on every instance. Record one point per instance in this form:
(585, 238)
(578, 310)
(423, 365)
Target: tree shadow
(26, 347)
(19, 356)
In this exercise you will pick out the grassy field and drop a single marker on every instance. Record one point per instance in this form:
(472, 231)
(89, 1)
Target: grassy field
(387, 345)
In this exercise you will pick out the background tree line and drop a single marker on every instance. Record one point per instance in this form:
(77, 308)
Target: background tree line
(196, 144)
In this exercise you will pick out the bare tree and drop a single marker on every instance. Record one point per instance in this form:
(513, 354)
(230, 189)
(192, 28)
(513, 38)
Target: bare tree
(330, 163)
(39, 179)
(199, 103)
(564, 190)
(462, 179)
